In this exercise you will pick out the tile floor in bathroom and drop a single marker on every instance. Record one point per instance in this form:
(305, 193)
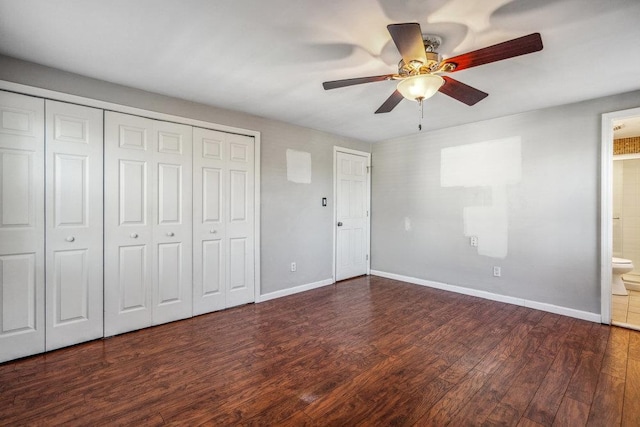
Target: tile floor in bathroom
(626, 308)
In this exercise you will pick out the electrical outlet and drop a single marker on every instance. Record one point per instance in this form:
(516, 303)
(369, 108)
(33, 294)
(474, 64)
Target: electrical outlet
(497, 271)
(294, 267)
(473, 241)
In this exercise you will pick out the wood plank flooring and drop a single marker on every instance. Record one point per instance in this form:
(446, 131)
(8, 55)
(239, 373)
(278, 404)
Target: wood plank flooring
(367, 351)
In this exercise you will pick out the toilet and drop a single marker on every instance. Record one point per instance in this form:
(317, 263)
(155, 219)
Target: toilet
(619, 267)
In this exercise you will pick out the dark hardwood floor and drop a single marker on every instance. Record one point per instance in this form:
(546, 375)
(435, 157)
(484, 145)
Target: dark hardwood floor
(368, 351)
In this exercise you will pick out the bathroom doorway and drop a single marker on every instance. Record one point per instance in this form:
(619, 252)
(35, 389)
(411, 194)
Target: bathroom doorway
(620, 218)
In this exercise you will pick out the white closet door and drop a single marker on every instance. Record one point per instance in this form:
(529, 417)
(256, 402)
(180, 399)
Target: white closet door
(22, 322)
(240, 222)
(172, 234)
(129, 217)
(223, 220)
(74, 308)
(148, 236)
(210, 176)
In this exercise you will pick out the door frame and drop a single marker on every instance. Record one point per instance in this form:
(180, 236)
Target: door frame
(337, 149)
(606, 207)
(119, 108)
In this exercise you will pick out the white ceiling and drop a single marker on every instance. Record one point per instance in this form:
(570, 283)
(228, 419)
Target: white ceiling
(269, 58)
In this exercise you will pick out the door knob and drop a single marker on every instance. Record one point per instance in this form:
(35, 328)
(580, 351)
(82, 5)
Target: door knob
(70, 239)
(212, 231)
(339, 224)
(134, 235)
(170, 234)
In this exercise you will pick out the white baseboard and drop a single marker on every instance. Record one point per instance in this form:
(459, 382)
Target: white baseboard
(565, 311)
(295, 290)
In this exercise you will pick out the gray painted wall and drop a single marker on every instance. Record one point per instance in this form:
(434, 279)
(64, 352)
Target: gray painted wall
(294, 226)
(552, 212)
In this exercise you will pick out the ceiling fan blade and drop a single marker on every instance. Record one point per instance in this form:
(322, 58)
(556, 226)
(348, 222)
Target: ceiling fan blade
(334, 84)
(408, 40)
(498, 52)
(462, 92)
(390, 103)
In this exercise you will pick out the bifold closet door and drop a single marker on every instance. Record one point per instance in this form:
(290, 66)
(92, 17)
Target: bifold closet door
(22, 259)
(147, 222)
(172, 231)
(74, 293)
(223, 220)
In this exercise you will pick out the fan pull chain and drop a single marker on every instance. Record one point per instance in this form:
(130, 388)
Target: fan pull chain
(421, 112)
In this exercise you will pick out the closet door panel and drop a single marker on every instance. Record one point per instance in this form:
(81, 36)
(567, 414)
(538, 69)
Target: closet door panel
(132, 193)
(133, 279)
(169, 269)
(17, 196)
(238, 200)
(69, 294)
(170, 204)
(74, 289)
(212, 268)
(18, 282)
(130, 186)
(70, 185)
(237, 264)
(173, 287)
(210, 153)
(211, 195)
(22, 321)
(240, 224)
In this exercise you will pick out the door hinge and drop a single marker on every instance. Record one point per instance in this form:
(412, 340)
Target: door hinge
(367, 257)
(368, 169)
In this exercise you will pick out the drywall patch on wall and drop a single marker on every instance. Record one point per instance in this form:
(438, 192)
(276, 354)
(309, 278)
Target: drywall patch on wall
(494, 164)
(298, 166)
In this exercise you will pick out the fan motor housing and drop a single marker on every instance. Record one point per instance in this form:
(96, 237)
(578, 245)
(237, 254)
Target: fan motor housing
(416, 67)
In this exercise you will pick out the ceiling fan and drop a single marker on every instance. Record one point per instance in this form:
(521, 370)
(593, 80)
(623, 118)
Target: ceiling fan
(421, 65)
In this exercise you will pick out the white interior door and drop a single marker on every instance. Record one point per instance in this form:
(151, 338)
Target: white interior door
(22, 322)
(129, 216)
(352, 209)
(74, 303)
(223, 215)
(172, 234)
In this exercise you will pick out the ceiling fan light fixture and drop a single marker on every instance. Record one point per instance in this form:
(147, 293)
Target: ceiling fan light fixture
(420, 87)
